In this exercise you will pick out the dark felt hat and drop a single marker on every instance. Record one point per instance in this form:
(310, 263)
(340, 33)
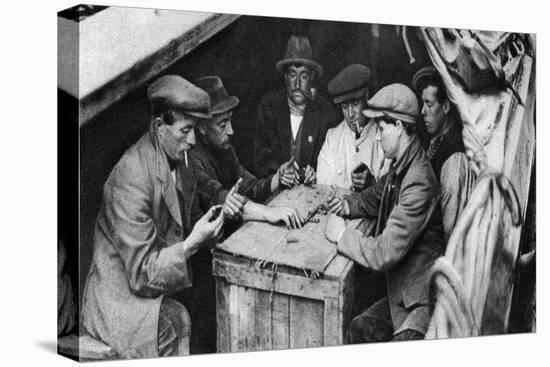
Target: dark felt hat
(350, 83)
(220, 101)
(396, 101)
(424, 73)
(175, 92)
(298, 51)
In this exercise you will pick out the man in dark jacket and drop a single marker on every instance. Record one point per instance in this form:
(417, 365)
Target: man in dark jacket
(217, 170)
(446, 148)
(409, 234)
(293, 122)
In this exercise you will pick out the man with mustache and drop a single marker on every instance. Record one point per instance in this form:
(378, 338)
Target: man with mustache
(292, 123)
(351, 157)
(446, 149)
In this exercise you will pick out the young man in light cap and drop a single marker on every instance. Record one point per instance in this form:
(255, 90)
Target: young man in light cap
(217, 170)
(292, 123)
(144, 235)
(408, 236)
(351, 157)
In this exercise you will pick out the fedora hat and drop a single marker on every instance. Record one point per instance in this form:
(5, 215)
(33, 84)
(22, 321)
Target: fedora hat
(298, 51)
(220, 101)
(396, 101)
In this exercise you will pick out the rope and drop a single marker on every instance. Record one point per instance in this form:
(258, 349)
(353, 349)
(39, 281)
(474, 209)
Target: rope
(459, 281)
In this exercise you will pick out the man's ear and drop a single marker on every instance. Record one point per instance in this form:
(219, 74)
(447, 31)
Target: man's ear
(400, 127)
(158, 122)
(446, 107)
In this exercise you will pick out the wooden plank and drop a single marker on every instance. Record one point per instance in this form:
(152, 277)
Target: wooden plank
(263, 317)
(247, 327)
(234, 317)
(247, 275)
(280, 321)
(332, 331)
(112, 91)
(222, 316)
(306, 323)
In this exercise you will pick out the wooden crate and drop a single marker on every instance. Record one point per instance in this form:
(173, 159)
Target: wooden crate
(257, 310)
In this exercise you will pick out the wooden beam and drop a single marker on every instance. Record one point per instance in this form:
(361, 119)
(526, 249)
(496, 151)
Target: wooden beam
(96, 98)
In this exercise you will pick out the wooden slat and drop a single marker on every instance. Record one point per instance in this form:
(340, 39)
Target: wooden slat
(332, 331)
(247, 328)
(249, 276)
(222, 316)
(234, 317)
(263, 316)
(150, 66)
(280, 322)
(306, 323)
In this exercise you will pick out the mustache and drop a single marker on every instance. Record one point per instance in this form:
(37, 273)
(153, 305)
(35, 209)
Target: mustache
(309, 94)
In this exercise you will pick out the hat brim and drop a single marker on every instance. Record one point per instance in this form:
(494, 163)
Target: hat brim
(202, 115)
(374, 114)
(352, 95)
(225, 106)
(281, 64)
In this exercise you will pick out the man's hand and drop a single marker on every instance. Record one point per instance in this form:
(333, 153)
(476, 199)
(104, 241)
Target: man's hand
(287, 173)
(360, 180)
(288, 215)
(234, 202)
(338, 206)
(309, 176)
(208, 227)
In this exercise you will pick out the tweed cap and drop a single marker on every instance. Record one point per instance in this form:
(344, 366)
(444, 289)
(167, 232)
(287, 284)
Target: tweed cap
(350, 83)
(298, 51)
(220, 101)
(175, 92)
(424, 73)
(396, 101)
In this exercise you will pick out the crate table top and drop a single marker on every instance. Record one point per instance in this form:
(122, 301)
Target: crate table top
(267, 244)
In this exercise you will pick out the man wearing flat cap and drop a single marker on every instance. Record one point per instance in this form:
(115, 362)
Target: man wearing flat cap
(144, 235)
(292, 123)
(351, 157)
(223, 180)
(446, 149)
(409, 234)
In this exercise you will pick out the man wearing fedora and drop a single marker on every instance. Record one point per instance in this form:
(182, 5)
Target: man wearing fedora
(144, 235)
(446, 148)
(217, 170)
(292, 123)
(351, 157)
(409, 234)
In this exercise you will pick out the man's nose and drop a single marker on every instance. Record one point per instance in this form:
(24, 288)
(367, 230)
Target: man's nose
(191, 139)
(350, 111)
(423, 109)
(297, 83)
(229, 129)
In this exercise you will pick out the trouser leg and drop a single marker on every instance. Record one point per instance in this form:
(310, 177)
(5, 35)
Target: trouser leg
(174, 329)
(373, 325)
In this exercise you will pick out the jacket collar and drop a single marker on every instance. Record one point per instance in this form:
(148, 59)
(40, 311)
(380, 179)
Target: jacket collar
(402, 163)
(164, 175)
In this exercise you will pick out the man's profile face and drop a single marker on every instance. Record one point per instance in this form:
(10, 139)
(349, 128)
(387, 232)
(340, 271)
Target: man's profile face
(388, 136)
(179, 137)
(298, 80)
(433, 111)
(352, 110)
(218, 130)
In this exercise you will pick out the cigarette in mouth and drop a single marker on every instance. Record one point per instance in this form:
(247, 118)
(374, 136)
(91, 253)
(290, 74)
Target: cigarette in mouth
(185, 153)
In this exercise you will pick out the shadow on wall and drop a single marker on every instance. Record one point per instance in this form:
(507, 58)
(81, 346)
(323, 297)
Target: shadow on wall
(244, 56)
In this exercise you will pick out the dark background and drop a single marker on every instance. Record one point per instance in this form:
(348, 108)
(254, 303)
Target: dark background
(244, 56)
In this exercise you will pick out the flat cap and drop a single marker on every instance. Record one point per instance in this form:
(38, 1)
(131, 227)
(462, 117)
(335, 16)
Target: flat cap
(396, 101)
(175, 92)
(352, 82)
(424, 73)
